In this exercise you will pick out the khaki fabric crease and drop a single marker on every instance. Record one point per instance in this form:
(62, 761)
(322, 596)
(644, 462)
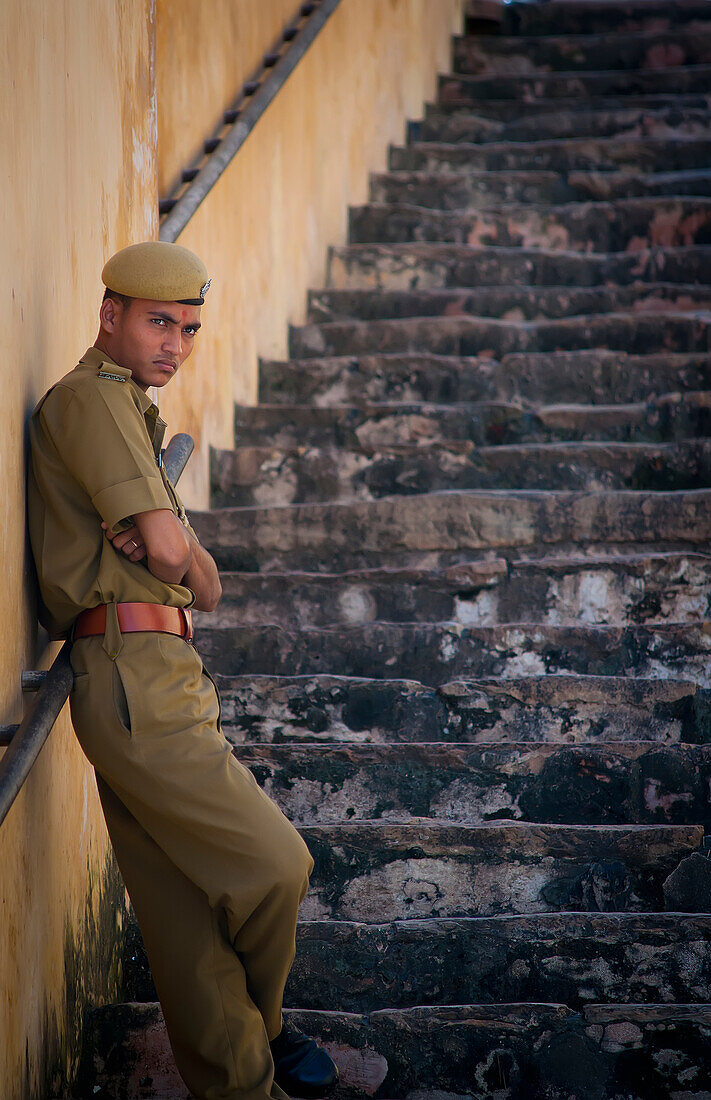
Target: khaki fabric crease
(215, 871)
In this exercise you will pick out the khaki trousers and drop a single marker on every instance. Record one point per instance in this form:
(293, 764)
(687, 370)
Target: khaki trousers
(214, 870)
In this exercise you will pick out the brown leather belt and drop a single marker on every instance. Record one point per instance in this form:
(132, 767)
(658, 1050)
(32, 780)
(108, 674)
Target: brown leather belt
(134, 617)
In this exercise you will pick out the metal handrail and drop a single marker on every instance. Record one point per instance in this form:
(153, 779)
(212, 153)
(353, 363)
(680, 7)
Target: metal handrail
(240, 119)
(26, 740)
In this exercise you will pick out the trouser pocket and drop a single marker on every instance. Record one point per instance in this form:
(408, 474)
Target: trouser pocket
(217, 693)
(122, 709)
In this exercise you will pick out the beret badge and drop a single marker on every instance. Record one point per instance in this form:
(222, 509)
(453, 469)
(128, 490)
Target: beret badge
(205, 287)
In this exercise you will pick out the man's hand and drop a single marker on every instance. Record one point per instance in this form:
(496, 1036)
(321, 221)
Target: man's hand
(129, 542)
(172, 554)
(159, 539)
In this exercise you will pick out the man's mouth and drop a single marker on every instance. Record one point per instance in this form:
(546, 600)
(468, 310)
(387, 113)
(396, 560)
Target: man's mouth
(165, 364)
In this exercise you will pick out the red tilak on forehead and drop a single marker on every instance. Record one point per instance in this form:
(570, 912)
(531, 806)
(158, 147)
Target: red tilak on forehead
(185, 313)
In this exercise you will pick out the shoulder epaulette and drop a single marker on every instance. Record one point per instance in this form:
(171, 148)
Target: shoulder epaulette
(111, 375)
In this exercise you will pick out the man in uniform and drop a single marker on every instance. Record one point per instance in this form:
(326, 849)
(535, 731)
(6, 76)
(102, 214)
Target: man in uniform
(215, 871)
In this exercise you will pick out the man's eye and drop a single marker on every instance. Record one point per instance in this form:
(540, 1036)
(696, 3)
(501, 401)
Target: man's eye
(157, 320)
(190, 331)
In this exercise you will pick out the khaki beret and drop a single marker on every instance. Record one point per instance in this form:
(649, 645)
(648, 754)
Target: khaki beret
(157, 270)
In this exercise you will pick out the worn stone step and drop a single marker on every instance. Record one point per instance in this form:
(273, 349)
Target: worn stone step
(563, 155)
(568, 958)
(627, 225)
(638, 783)
(575, 114)
(435, 653)
(508, 1051)
(369, 871)
(428, 265)
(463, 189)
(638, 333)
(586, 376)
(519, 1052)
(648, 119)
(252, 475)
(437, 529)
(689, 44)
(457, 90)
(600, 16)
(126, 1055)
(525, 303)
(671, 416)
(562, 709)
(614, 589)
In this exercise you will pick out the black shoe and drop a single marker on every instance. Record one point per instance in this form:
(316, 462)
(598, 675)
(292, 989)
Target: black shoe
(301, 1066)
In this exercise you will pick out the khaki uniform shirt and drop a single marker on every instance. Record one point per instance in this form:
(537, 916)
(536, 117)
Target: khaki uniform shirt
(95, 439)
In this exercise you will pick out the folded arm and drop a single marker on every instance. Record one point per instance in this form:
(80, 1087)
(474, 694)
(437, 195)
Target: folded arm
(171, 554)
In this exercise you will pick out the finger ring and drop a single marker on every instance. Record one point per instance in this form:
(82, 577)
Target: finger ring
(132, 543)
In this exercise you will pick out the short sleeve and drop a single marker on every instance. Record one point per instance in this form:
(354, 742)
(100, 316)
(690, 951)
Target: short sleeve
(100, 435)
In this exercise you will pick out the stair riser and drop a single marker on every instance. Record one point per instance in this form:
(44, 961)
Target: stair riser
(463, 91)
(465, 336)
(439, 529)
(666, 419)
(593, 154)
(390, 872)
(586, 18)
(266, 710)
(251, 476)
(673, 590)
(468, 190)
(505, 303)
(482, 125)
(598, 377)
(540, 1061)
(566, 786)
(574, 113)
(599, 228)
(352, 967)
(536, 1052)
(479, 56)
(434, 654)
(611, 958)
(430, 266)
(588, 155)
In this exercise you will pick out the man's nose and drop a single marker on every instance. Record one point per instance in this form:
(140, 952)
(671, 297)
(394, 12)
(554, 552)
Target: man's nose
(173, 341)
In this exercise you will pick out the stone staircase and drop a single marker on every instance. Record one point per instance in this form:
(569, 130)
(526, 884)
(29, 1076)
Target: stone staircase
(464, 543)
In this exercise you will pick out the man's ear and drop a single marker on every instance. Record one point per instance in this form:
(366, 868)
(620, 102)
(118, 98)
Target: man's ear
(109, 314)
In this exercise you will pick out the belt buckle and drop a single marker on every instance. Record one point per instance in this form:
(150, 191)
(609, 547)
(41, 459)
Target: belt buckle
(188, 623)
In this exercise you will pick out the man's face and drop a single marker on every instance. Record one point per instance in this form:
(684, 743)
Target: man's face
(151, 339)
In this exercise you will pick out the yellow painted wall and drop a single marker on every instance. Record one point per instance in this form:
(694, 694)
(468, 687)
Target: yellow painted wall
(264, 230)
(203, 57)
(92, 90)
(77, 180)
